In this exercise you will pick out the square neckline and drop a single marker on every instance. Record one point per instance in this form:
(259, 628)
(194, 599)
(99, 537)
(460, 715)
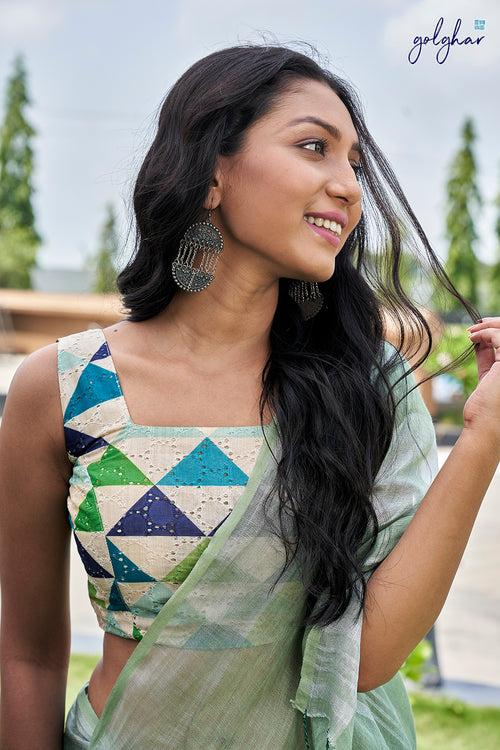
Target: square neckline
(136, 425)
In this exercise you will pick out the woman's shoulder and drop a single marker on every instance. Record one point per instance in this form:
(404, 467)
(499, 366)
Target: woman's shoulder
(33, 400)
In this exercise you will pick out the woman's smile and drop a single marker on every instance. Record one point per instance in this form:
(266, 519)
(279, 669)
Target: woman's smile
(327, 234)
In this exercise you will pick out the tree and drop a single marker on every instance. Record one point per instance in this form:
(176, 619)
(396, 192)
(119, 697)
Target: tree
(103, 261)
(19, 239)
(494, 276)
(463, 203)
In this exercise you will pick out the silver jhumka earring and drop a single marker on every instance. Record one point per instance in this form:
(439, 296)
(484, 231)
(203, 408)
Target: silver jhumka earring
(201, 236)
(307, 295)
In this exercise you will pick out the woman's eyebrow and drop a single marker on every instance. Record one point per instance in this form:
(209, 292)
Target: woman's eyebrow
(332, 129)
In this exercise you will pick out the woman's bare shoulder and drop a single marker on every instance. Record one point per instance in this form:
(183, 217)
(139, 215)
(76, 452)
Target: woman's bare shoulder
(33, 403)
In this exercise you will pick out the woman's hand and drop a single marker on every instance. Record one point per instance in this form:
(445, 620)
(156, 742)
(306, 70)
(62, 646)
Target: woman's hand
(482, 408)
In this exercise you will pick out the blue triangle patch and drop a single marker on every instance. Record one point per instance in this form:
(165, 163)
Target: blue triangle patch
(205, 466)
(91, 566)
(125, 570)
(95, 384)
(154, 514)
(102, 353)
(116, 600)
(78, 443)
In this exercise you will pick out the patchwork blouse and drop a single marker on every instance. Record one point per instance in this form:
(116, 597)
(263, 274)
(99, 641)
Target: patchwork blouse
(143, 500)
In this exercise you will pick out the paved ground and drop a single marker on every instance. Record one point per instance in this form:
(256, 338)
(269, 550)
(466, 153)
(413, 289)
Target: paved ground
(467, 630)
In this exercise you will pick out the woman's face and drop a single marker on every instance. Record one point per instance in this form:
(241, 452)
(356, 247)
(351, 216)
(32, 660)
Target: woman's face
(283, 174)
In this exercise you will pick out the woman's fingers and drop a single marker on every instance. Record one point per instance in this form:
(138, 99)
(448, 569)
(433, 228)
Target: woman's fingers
(485, 323)
(489, 336)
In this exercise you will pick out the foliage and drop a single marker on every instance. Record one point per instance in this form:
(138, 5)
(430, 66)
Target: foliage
(81, 667)
(494, 274)
(448, 723)
(16, 156)
(19, 238)
(415, 665)
(103, 262)
(463, 202)
(453, 342)
(17, 258)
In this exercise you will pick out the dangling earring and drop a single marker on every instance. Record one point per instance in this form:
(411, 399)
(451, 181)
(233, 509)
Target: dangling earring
(204, 236)
(308, 296)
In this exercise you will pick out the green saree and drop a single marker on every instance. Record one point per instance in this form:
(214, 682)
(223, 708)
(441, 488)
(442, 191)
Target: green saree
(224, 663)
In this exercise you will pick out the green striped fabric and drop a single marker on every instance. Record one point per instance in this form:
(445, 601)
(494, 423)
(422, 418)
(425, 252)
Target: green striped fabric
(225, 664)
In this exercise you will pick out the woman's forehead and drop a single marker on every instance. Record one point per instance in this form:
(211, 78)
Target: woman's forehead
(312, 100)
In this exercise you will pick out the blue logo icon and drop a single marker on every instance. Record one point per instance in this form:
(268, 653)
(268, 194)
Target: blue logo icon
(479, 24)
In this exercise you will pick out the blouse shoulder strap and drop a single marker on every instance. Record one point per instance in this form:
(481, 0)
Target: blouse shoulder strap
(90, 393)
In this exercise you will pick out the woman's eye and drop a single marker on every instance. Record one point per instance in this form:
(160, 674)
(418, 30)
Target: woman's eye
(357, 167)
(322, 142)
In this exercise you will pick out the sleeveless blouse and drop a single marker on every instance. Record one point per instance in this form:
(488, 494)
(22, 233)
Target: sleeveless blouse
(143, 500)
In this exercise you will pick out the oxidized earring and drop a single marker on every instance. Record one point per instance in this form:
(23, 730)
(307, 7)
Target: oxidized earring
(201, 236)
(308, 296)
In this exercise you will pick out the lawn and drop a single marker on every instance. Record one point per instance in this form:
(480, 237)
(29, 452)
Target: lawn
(442, 723)
(453, 725)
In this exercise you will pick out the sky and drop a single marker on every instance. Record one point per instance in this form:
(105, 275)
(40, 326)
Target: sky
(98, 71)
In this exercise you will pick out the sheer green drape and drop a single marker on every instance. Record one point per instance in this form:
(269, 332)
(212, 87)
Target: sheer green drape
(225, 665)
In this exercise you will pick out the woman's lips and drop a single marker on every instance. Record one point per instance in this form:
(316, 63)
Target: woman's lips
(332, 238)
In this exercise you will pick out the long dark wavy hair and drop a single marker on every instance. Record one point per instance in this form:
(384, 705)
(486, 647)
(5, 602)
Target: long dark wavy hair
(335, 424)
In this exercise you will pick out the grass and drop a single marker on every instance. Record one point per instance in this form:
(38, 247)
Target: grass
(81, 667)
(453, 725)
(441, 722)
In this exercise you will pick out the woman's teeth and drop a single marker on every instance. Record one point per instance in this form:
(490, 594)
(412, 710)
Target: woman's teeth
(331, 225)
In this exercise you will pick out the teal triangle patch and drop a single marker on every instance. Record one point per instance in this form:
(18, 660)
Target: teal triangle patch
(95, 385)
(124, 569)
(206, 465)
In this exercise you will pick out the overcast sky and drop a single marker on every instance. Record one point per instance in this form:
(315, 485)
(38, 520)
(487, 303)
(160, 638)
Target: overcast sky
(98, 70)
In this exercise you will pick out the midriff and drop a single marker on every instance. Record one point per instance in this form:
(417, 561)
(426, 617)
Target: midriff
(115, 654)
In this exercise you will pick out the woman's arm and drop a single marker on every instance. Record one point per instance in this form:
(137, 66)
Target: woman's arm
(407, 591)
(34, 558)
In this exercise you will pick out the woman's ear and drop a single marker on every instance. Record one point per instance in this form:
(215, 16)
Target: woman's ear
(214, 195)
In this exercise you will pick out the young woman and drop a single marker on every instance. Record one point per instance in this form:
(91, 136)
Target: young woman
(241, 462)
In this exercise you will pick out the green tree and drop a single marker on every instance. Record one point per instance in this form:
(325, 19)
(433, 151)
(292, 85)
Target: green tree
(494, 275)
(19, 239)
(103, 262)
(463, 203)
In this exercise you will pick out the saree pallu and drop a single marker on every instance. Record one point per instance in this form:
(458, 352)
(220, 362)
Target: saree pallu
(80, 722)
(225, 663)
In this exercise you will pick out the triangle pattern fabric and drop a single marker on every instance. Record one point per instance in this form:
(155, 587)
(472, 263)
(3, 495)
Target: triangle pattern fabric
(95, 385)
(78, 443)
(205, 465)
(89, 518)
(116, 601)
(102, 353)
(114, 468)
(124, 569)
(91, 566)
(155, 515)
(118, 488)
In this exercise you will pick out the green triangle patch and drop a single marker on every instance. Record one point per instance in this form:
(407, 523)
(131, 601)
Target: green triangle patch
(88, 517)
(115, 468)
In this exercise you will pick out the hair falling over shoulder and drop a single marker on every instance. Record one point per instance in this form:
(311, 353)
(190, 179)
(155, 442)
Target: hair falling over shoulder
(335, 420)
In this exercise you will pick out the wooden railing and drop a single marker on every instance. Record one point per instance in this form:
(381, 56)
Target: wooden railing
(31, 319)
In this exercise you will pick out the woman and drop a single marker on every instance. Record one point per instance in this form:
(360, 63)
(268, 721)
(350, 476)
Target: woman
(261, 317)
